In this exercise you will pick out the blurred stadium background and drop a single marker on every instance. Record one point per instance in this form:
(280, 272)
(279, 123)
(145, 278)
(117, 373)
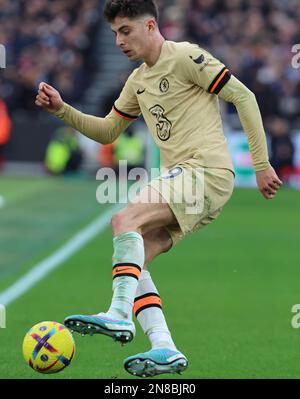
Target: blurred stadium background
(244, 290)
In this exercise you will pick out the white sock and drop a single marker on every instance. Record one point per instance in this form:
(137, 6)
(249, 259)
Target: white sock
(128, 261)
(148, 310)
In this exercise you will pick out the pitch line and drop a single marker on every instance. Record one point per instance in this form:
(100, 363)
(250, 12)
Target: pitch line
(2, 202)
(40, 271)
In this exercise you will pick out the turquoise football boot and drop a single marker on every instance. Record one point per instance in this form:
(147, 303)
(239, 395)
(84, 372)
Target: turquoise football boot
(120, 330)
(155, 362)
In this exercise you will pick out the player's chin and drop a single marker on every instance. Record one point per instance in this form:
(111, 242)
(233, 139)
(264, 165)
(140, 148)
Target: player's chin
(133, 57)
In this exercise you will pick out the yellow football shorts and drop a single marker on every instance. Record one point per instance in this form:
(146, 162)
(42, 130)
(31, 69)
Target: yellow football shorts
(196, 196)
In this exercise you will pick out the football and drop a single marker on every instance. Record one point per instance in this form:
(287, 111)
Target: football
(48, 347)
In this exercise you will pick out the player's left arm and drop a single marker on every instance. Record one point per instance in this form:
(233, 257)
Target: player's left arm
(245, 102)
(206, 71)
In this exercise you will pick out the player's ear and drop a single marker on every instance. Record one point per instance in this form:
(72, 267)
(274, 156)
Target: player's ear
(151, 25)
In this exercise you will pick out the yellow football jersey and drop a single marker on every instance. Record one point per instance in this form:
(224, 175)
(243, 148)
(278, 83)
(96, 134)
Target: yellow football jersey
(177, 98)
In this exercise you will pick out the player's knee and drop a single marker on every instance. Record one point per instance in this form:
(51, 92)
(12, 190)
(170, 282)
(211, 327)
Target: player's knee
(122, 223)
(117, 222)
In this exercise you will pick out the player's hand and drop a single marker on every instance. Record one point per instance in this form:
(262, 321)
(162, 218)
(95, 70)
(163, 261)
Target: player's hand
(48, 98)
(268, 182)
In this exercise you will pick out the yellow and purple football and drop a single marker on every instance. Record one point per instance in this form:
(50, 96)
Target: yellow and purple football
(48, 347)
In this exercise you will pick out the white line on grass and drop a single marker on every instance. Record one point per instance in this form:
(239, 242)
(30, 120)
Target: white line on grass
(2, 202)
(40, 271)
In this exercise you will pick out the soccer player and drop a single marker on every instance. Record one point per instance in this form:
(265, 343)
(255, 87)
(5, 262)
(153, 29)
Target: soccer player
(176, 89)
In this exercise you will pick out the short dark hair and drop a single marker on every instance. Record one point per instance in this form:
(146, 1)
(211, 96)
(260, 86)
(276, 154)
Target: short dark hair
(129, 8)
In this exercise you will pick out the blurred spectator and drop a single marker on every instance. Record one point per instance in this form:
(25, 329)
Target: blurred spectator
(130, 147)
(5, 129)
(63, 154)
(282, 148)
(106, 156)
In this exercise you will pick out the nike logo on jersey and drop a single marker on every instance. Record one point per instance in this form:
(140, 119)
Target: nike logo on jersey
(198, 60)
(140, 91)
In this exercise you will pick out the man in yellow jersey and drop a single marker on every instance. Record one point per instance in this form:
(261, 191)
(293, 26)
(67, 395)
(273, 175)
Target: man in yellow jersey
(176, 90)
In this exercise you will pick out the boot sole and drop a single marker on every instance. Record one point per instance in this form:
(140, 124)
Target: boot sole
(89, 328)
(149, 368)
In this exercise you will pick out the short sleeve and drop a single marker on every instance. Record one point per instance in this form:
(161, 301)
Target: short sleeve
(127, 106)
(202, 69)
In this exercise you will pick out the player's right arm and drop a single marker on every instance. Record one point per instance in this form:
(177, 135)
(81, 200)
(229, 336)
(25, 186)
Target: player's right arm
(103, 130)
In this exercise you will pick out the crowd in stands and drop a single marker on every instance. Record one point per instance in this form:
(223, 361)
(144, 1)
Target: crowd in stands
(46, 40)
(51, 40)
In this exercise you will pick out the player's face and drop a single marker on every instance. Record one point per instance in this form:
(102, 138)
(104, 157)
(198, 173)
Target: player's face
(132, 36)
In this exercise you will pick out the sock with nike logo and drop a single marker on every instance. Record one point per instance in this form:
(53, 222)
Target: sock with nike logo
(148, 311)
(128, 261)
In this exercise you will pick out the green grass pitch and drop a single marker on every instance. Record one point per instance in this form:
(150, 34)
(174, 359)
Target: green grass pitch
(227, 290)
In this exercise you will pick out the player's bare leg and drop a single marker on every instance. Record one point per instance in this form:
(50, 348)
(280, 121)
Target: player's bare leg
(140, 223)
(147, 212)
(156, 242)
